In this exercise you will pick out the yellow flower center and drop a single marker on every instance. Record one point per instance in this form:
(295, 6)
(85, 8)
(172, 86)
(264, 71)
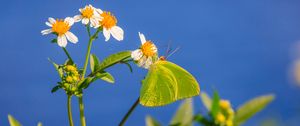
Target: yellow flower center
(87, 12)
(108, 20)
(147, 49)
(60, 27)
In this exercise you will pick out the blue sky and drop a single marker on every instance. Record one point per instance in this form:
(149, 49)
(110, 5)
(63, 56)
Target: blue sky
(240, 48)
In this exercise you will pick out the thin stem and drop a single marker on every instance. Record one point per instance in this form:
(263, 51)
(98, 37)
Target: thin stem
(129, 112)
(88, 30)
(80, 99)
(81, 108)
(67, 53)
(70, 111)
(87, 57)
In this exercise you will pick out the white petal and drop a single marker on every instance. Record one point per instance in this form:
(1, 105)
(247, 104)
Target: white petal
(142, 38)
(51, 20)
(62, 41)
(85, 21)
(142, 61)
(80, 10)
(77, 18)
(117, 33)
(69, 20)
(94, 23)
(136, 54)
(48, 24)
(148, 63)
(47, 31)
(106, 34)
(99, 11)
(71, 37)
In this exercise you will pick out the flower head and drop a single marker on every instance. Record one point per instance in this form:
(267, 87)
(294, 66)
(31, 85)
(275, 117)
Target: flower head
(145, 55)
(61, 28)
(109, 24)
(89, 14)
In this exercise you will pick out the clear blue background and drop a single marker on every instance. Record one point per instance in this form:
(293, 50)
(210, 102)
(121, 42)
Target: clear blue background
(240, 48)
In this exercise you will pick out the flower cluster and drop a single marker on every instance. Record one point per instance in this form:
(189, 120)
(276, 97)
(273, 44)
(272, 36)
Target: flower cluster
(226, 114)
(70, 79)
(89, 16)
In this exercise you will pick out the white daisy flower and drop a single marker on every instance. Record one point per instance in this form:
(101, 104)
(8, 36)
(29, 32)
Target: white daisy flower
(108, 23)
(89, 14)
(145, 54)
(61, 28)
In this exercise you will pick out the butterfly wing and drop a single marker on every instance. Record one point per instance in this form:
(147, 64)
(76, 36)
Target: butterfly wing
(187, 85)
(165, 83)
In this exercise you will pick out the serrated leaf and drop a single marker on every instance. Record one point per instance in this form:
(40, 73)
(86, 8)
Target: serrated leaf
(94, 62)
(184, 114)
(13, 121)
(58, 69)
(113, 59)
(215, 108)
(250, 108)
(106, 77)
(54, 89)
(206, 100)
(151, 121)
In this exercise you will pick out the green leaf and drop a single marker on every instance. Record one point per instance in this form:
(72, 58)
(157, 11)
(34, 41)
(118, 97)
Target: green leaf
(105, 76)
(113, 59)
(184, 114)
(206, 100)
(54, 89)
(251, 107)
(69, 62)
(39, 124)
(100, 75)
(215, 108)
(166, 83)
(151, 121)
(54, 41)
(13, 121)
(129, 66)
(57, 67)
(94, 62)
(86, 82)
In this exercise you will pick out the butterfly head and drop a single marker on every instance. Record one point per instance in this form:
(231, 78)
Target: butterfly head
(163, 58)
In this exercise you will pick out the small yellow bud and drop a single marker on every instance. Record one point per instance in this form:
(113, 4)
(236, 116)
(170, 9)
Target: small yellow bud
(225, 104)
(220, 118)
(74, 89)
(69, 79)
(229, 123)
(70, 68)
(75, 78)
(230, 112)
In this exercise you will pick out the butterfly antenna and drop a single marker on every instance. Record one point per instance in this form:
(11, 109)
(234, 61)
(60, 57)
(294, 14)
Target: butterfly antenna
(173, 52)
(168, 48)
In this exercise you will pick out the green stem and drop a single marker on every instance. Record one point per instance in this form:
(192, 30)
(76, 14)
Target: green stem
(87, 57)
(129, 112)
(81, 108)
(80, 99)
(70, 111)
(67, 53)
(88, 30)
